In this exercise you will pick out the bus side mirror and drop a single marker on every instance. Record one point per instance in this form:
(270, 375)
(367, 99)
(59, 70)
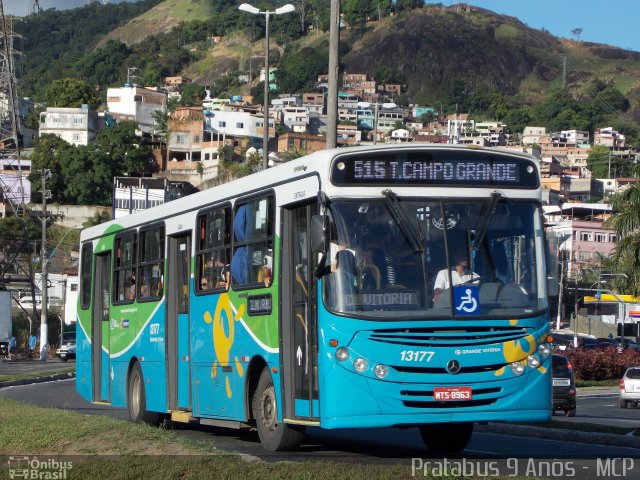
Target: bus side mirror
(317, 234)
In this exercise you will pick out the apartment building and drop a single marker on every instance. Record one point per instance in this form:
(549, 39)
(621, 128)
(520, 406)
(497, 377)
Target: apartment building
(301, 142)
(608, 137)
(77, 126)
(586, 239)
(135, 194)
(136, 103)
(531, 135)
(295, 119)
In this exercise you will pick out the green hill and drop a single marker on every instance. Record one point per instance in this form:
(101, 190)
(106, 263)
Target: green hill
(455, 56)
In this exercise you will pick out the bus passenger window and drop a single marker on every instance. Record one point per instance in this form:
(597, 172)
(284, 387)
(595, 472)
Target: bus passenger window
(252, 263)
(213, 250)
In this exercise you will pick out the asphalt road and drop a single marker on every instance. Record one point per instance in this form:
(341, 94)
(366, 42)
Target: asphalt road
(384, 445)
(603, 408)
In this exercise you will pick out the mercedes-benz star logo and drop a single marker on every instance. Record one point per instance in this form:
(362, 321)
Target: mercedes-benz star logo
(453, 366)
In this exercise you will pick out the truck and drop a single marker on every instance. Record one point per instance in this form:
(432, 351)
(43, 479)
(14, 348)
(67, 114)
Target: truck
(5, 321)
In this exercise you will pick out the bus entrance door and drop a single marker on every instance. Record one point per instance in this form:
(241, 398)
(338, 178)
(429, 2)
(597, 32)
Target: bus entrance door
(100, 329)
(299, 324)
(178, 325)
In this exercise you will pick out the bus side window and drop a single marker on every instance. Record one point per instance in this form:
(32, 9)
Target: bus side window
(124, 273)
(252, 262)
(213, 250)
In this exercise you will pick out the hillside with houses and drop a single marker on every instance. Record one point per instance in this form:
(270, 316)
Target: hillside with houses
(195, 135)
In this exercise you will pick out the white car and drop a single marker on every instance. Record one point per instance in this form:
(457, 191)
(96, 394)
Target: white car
(67, 348)
(630, 387)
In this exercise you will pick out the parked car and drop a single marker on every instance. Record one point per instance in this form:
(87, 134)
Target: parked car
(67, 348)
(561, 341)
(630, 387)
(587, 342)
(610, 343)
(564, 385)
(627, 343)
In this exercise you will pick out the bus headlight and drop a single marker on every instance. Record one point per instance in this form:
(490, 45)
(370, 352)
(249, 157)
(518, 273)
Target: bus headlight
(533, 361)
(517, 368)
(342, 354)
(544, 350)
(380, 371)
(360, 364)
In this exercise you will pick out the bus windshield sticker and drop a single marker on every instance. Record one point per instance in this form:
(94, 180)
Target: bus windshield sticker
(383, 299)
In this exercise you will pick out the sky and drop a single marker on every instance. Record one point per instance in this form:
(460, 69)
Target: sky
(613, 22)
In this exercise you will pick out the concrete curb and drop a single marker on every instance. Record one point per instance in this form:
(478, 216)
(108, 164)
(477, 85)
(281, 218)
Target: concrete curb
(561, 434)
(46, 378)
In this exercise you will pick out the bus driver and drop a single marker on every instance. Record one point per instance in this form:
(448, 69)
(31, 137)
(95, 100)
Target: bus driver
(459, 275)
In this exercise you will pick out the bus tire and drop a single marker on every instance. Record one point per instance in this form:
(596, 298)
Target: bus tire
(446, 437)
(274, 436)
(137, 399)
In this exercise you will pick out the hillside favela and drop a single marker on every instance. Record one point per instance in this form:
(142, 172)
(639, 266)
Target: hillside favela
(382, 232)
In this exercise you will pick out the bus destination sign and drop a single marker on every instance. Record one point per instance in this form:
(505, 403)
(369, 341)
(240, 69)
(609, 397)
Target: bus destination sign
(469, 171)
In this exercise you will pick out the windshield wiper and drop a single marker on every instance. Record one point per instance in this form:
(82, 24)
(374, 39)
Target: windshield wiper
(483, 223)
(406, 227)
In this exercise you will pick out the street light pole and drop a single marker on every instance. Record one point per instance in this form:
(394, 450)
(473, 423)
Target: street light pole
(44, 331)
(265, 133)
(245, 7)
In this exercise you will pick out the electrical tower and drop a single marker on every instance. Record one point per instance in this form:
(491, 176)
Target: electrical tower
(35, 6)
(12, 190)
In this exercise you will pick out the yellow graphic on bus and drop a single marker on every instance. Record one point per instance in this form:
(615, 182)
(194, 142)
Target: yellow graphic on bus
(223, 337)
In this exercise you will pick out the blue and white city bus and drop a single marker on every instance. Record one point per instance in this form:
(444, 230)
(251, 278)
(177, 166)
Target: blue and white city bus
(384, 286)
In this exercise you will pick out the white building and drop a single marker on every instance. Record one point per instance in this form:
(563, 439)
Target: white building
(295, 119)
(239, 123)
(134, 194)
(608, 137)
(531, 135)
(77, 126)
(136, 103)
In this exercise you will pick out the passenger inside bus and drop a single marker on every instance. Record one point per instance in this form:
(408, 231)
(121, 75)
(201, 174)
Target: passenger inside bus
(241, 262)
(130, 290)
(343, 282)
(376, 268)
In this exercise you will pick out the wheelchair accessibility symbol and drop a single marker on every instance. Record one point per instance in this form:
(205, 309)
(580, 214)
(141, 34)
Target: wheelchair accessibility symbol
(466, 300)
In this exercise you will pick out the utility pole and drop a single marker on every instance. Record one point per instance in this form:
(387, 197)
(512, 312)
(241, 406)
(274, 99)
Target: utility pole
(332, 92)
(44, 331)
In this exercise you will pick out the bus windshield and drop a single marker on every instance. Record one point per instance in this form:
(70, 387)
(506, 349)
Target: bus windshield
(435, 258)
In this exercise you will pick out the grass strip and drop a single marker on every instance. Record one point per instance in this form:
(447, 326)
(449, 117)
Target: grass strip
(25, 376)
(105, 448)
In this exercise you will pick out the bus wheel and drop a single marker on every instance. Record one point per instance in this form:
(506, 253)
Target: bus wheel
(137, 400)
(273, 435)
(446, 437)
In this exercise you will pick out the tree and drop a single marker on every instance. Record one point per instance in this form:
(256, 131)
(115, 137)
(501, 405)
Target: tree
(105, 65)
(71, 93)
(602, 164)
(626, 223)
(50, 152)
(299, 70)
(123, 148)
(191, 94)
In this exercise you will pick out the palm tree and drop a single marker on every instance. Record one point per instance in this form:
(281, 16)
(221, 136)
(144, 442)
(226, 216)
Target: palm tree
(626, 223)
(161, 123)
